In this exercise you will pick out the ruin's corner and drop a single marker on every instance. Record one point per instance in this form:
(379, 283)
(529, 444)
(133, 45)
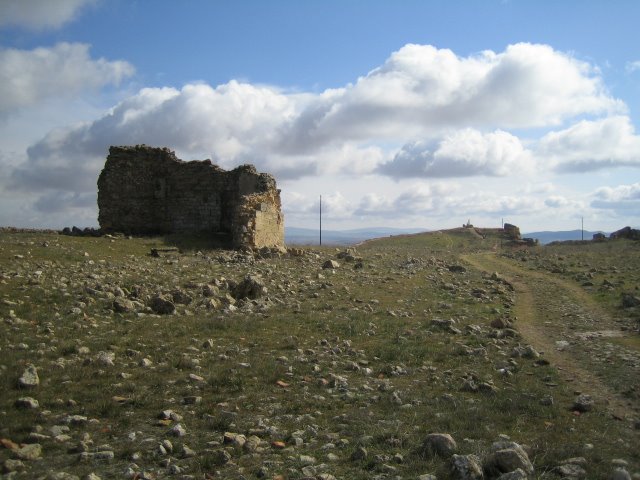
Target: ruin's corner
(148, 190)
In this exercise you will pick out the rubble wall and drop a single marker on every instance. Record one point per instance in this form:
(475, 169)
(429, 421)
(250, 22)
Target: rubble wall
(145, 190)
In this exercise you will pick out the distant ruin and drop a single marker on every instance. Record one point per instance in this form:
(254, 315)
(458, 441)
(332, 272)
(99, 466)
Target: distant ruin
(512, 231)
(147, 190)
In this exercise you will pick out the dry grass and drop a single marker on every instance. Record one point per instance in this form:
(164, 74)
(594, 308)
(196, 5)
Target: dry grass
(272, 372)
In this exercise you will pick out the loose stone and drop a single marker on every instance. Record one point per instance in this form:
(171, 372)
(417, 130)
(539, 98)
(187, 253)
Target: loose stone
(440, 444)
(29, 452)
(27, 402)
(583, 403)
(466, 467)
(29, 378)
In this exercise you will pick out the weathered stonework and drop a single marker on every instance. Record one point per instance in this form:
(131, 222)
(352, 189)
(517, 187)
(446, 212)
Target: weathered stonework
(512, 231)
(144, 190)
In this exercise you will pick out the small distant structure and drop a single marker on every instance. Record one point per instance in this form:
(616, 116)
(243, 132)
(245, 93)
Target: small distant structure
(148, 190)
(599, 237)
(468, 224)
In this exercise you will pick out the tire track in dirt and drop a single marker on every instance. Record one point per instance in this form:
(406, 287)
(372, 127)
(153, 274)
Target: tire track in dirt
(541, 308)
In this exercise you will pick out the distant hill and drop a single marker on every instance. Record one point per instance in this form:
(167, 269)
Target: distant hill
(548, 237)
(309, 236)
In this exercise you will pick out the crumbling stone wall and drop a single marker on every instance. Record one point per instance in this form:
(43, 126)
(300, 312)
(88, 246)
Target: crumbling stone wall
(144, 190)
(512, 231)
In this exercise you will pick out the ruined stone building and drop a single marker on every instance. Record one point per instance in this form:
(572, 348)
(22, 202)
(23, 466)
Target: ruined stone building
(146, 190)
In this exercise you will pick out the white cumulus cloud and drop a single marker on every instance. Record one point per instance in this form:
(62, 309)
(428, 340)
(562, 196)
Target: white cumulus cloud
(39, 14)
(620, 198)
(421, 90)
(424, 113)
(64, 70)
(463, 153)
(228, 121)
(561, 202)
(591, 145)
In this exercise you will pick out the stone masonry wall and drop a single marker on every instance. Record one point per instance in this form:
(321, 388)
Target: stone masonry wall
(144, 190)
(260, 221)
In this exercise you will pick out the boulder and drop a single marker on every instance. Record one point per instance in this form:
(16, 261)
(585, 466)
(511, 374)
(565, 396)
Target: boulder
(162, 305)
(250, 287)
(330, 265)
(440, 444)
(630, 301)
(29, 378)
(180, 297)
(123, 305)
(27, 403)
(466, 467)
(517, 474)
(583, 403)
(507, 457)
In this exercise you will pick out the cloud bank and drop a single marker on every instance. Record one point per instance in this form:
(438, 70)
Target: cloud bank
(464, 153)
(421, 90)
(592, 145)
(425, 113)
(620, 198)
(40, 14)
(28, 77)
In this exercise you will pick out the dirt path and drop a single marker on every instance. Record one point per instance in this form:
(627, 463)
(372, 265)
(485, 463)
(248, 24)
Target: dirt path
(561, 320)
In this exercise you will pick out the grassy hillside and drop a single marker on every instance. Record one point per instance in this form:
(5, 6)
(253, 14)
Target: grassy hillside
(305, 371)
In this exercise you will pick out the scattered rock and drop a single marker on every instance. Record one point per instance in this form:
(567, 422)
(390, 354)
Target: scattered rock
(506, 457)
(440, 444)
(220, 457)
(162, 305)
(630, 301)
(517, 474)
(466, 467)
(29, 378)
(620, 474)
(457, 269)
(11, 465)
(178, 430)
(61, 476)
(27, 402)
(569, 470)
(106, 359)
(123, 305)
(501, 323)
(330, 265)
(181, 298)
(525, 352)
(251, 287)
(360, 453)
(583, 403)
(235, 439)
(30, 451)
(102, 456)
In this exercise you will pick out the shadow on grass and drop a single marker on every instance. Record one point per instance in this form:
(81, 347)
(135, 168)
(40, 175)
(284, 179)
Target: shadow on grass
(198, 241)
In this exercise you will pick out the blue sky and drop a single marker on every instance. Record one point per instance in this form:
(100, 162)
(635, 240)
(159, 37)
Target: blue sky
(408, 113)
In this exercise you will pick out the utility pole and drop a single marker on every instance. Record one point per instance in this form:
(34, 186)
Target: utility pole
(320, 220)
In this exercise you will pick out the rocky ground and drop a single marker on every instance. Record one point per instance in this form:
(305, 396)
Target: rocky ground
(414, 357)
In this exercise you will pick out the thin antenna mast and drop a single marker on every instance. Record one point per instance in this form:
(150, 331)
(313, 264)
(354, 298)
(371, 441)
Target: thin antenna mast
(321, 220)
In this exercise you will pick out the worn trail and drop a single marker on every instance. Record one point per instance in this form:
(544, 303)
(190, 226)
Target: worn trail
(560, 319)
